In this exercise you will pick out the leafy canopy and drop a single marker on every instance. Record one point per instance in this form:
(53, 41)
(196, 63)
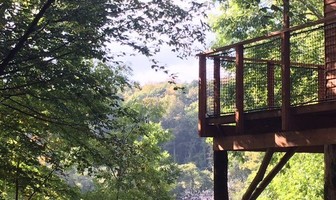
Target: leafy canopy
(60, 83)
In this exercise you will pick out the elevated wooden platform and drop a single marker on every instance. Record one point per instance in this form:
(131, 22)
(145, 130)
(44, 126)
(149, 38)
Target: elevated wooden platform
(240, 115)
(272, 93)
(312, 126)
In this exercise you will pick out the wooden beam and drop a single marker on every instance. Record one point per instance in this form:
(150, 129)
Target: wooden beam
(202, 97)
(217, 106)
(300, 65)
(312, 137)
(272, 173)
(221, 175)
(260, 174)
(239, 118)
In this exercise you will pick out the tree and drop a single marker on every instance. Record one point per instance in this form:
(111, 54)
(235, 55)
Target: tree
(240, 20)
(60, 83)
(143, 171)
(194, 183)
(176, 111)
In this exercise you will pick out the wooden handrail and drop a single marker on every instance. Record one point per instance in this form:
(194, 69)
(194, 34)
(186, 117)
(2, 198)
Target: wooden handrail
(278, 62)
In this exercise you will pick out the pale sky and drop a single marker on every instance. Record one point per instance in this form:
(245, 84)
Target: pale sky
(186, 69)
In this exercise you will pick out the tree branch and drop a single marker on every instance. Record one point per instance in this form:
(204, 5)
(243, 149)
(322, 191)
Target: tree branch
(24, 38)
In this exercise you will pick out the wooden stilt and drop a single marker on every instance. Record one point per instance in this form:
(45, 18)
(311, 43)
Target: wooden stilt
(330, 172)
(221, 175)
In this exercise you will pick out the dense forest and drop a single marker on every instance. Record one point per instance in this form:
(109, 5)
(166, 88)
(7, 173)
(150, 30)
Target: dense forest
(74, 126)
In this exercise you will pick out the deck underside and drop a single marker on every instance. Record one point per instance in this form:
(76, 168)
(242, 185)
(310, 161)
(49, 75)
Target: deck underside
(311, 127)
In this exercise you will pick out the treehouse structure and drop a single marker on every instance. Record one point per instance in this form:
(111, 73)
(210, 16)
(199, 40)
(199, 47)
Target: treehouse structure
(272, 93)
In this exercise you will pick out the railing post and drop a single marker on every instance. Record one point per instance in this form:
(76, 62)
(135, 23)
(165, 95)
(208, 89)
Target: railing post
(270, 85)
(202, 96)
(285, 70)
(217, 86)
(239, 115)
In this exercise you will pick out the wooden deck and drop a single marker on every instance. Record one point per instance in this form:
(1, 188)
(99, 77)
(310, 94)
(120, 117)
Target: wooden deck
(272, 93)
(311, 127)
(237, 120)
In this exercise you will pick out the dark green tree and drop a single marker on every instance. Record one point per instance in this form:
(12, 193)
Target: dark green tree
(60, 83)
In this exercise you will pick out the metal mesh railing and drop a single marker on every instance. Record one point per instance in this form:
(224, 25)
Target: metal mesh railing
(307, 57)
(227, 87)
(259, 74)
(312, 71)
(210, 89)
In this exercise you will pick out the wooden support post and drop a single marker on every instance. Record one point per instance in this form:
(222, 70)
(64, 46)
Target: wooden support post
(260, 174)
(330, 172)
(239, 115)
(202, 97)
(272, 173)
(221, 175)
(285, 70)
(270, 85)
(217, 86)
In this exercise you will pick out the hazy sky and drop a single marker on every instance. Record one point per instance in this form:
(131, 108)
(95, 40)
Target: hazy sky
(186, 69)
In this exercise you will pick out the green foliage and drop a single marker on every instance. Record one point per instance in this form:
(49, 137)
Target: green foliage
(241, 20)
(302, 178)
(143, 172)
(60, 84)
(193, 182)
(177, 112)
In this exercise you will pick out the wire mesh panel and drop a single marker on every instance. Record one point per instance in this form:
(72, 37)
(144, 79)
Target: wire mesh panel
(307, 58)
(312, 71)
(263, 51)
(260, 60)
(210, 88)
(227, 87)
(255, 86)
